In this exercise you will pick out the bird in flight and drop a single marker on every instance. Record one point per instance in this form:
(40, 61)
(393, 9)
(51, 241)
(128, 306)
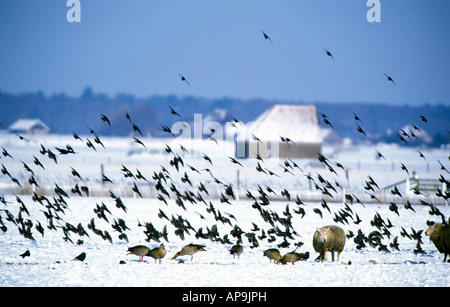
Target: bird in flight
(267, 36)
(329, 53)
(183, 78)
(390, 79)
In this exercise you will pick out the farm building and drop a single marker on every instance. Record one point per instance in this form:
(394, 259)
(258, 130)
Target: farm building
(284, 131)
(29, 126)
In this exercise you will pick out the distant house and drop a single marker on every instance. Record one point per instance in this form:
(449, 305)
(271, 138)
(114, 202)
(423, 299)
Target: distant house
(284, 131)
(29, 126)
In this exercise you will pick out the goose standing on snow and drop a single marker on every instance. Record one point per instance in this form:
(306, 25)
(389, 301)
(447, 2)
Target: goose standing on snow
(273, 253)
(236, 250)
(139, 250)
(189, 249)
(157, 253)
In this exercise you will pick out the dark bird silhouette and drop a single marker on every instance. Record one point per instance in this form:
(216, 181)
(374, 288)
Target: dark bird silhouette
(421, 155)
(136, 128)
(405, 234)
(207, 158)
(76, 136)
(89, 144)
(394, 208)
(26, 254)
(22, 138)
(139, 142)
(329, 53)
(356, 117)
(403, 167)
(106, 119)
(390, 79)
(172, 111)
(380, 155)
(6, 153)
(317, 210)
(360, 130)
(394, 244)
(38, 162)
(443, 167)
(266, 37)
(327, 122)
(128, 117)
(80, 257)
(235, 161)
(136, 190)
(183, 78)
(423, 118)
(286, 140)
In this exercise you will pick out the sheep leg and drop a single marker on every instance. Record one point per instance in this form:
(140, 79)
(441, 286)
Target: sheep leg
(338, 255)
(445, 257)
(325, 254)
(332, 255)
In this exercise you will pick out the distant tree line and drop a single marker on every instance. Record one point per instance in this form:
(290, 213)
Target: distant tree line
(64, 114)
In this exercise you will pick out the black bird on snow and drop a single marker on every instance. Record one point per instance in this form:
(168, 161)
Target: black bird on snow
(80, 257)
(266, 37)
(26, 254)
(390, 79)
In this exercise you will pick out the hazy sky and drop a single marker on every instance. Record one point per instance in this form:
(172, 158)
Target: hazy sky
(140, 46)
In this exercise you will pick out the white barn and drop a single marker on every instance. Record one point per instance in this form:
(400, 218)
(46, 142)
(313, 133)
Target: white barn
(284, 131)
(29, 126)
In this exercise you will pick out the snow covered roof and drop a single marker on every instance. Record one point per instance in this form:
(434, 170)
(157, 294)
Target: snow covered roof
(296, 122)
(28, 124)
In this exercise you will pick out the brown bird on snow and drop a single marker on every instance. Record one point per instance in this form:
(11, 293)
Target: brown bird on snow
(236, 250)
(157, 253)
(139, 250)
(142, 250)
(273, 253)
(189, 249)
(293, 257)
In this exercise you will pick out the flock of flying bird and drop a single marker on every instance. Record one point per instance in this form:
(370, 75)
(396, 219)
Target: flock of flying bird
(278, 228)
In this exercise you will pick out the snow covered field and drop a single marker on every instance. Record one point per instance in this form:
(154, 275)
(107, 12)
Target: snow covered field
(106, 264)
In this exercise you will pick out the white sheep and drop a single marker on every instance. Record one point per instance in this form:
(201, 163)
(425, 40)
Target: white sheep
(329, 239)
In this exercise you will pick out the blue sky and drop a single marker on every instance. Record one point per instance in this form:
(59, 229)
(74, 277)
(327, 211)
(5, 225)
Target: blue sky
(140, 46)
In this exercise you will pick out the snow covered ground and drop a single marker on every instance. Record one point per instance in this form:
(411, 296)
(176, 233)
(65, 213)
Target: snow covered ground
(50, 261)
